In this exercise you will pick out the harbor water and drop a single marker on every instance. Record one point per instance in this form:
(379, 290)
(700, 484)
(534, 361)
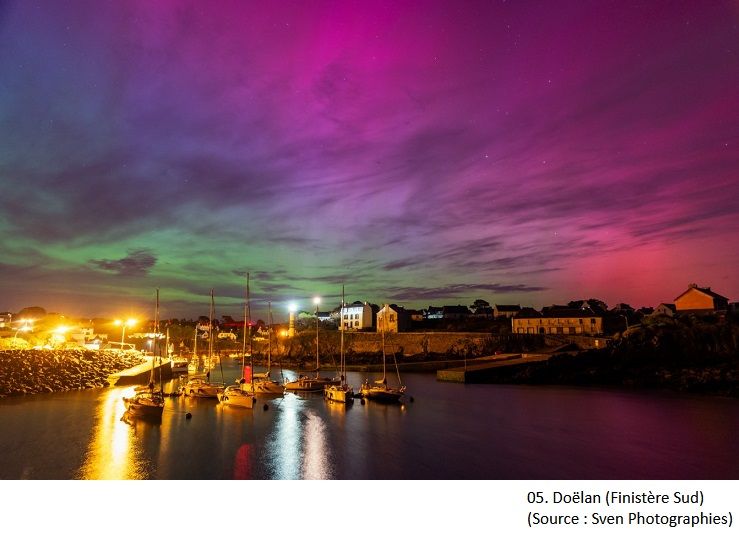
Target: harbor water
(447, 431)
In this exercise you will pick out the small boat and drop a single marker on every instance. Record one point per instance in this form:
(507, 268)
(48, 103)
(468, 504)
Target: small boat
(340, 391)
(146, 402)
(380, 390)
(200, 386)
(261, 383)
(241, 394)
(237, 395)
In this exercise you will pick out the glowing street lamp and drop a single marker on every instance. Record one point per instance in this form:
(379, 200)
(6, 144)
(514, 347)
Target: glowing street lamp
(124, 324)
(24, 329)
(58, 334)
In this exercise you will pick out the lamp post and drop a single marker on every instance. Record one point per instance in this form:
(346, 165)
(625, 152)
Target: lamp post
(317, 302)
(24, 329)
(124, 324)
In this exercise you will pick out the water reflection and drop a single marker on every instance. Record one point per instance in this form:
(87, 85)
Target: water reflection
(284, 447)
(298, 446)
(317, 456)
(111, 453)
(450, 431)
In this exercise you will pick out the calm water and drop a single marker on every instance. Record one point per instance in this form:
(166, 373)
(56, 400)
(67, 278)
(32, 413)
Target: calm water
(449, 431)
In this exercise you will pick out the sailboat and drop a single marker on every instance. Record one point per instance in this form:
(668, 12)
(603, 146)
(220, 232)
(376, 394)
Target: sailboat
(200, 385)
(340, 391)
(261, 382)
(240, 394)
(147, 402)
(313, 383)
(380, 390)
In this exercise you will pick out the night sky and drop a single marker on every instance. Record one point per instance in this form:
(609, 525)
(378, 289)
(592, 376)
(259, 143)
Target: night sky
(419, 152)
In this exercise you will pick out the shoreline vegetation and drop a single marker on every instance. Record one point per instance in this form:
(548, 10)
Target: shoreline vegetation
(690, 354)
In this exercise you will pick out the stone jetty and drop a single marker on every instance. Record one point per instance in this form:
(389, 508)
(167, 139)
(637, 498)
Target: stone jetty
(24, 372)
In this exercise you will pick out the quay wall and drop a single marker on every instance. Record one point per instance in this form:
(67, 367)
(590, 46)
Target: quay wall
(24, 372)
(360, 344)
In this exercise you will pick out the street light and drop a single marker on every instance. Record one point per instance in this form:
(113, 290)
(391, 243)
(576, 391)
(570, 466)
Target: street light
(128, 323)
(24, 329)
(317, 302)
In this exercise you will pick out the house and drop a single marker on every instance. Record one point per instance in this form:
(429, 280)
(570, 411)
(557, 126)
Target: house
(454, 312)
(506, 311)
(356, 316)
(392, 319)
(667, 309)
(700, 300)
(416, 315)
(434, 313)
(486, 312)
(560, 321)
(6, 319)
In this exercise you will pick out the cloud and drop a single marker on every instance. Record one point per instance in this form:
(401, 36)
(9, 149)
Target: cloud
(137, 262)
(457, 291)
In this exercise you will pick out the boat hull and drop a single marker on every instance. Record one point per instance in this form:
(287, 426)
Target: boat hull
(268, 387)
(381, 394)
(234, 396)
(343, 394)
(308, 384)
(144, 406)
(202, 390)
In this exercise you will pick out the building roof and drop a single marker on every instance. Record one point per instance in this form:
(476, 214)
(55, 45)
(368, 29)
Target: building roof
(508, 307)
(668, 305)
(458, 309)
(706, 291)
(568, 312)
(527, 312)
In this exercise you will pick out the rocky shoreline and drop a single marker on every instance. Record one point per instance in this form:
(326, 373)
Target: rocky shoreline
(25, 372)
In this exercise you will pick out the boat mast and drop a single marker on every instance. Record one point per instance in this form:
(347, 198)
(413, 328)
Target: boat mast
(243, 344)
(210, 329)
(248, 318)
(156, 339)
(342, 361)
(384, 374)
(269, 335)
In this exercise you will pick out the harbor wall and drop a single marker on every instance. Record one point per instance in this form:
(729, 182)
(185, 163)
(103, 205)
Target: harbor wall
(359, 344)
(25, 372)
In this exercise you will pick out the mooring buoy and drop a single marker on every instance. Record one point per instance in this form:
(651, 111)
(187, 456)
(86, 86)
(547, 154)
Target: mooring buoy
(188, 415)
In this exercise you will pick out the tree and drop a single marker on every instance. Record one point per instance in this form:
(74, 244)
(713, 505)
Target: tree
(36, 313)
(479, 303)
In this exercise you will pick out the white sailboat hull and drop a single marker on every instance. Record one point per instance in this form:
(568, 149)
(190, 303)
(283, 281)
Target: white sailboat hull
(235, 396)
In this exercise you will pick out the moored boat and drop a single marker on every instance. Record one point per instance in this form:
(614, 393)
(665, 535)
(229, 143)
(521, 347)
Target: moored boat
(380, 390)
(340, 391)
(147, 402)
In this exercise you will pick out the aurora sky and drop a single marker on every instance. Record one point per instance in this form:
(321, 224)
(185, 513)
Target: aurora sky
(419, 152)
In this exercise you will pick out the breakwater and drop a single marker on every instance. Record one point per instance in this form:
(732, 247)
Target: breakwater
(25, 372)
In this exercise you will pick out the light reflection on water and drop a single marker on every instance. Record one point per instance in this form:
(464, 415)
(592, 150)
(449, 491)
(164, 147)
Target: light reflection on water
(112, 452)
(450, 431)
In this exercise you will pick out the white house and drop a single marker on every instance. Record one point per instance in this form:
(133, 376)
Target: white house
(356, 316)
